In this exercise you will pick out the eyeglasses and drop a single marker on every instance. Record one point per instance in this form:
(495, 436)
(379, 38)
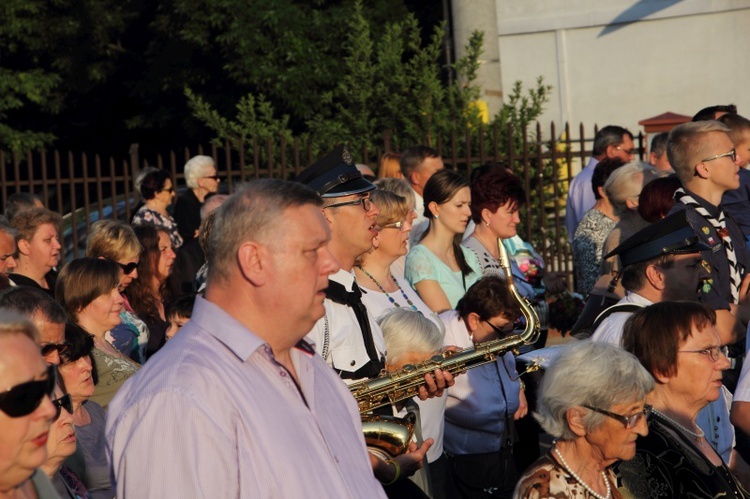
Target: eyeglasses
(48, 348)
(504, 331)
(395, 225)
(213, 177)
(63, 402)
(23, 399)
(629, 152)
(365, 202)
(128, 268)
(171, 189)
(714, 353)
(628, 421)
(732, 154)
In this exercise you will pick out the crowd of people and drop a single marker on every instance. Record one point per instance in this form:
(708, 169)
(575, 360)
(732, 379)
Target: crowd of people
(227, 345)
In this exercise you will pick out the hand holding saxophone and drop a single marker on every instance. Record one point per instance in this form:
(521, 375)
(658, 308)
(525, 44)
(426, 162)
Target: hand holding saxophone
(435, 383)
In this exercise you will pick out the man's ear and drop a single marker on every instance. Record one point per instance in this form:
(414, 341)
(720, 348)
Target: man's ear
(24, 247)
(610, 151)
(655, 277)
(472, 321)
(574, 418)
(254, 262)
(414, 177)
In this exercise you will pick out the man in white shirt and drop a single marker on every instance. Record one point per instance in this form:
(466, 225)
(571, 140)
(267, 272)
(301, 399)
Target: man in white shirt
(418, 164)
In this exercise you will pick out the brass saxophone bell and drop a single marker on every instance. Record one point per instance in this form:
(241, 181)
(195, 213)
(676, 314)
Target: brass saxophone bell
(388, 436)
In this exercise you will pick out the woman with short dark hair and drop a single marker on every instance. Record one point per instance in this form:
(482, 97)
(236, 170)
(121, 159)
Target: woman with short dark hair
(678, 344)
(158, 193)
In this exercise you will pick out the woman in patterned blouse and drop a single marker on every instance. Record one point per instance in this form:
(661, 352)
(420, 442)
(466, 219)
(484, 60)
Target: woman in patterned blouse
(157, 192)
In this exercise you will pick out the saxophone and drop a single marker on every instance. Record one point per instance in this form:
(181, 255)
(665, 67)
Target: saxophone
(388, 436)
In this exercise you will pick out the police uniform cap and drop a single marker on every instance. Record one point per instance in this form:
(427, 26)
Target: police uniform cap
(670, 236)
(335, 175)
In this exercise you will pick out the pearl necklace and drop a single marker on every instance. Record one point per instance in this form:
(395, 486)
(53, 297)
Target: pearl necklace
(387, 295)
(578, 479)
(696, 435)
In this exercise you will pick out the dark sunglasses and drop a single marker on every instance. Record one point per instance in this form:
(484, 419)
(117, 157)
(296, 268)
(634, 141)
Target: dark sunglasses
(504, 331)
(128, 268)
(213, 177)
(171, 189)
(23, 399)
(63, 402)
(48, 348)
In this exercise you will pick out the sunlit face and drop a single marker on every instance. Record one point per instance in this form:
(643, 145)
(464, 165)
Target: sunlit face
(22, 439)
(43, 250)
(393, 241)
(723, 172)
(176, 322)
(166, 257)
(454, 214)
(77, 377)
(353, 228)
(208, 183)
(302, 261)
(625, 151)
(503, 222)
(611, 440)
(698, 378)
(7, 250)
(103, 313)
(424, 172)
(61, 442)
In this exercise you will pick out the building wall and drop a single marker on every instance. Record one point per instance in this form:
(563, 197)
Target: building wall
(619, 61)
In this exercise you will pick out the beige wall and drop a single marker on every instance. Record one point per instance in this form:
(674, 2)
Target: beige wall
(683, 55)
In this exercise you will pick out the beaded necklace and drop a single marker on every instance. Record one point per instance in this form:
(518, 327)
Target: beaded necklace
(578, 479)
(387, 295)
(696, 435)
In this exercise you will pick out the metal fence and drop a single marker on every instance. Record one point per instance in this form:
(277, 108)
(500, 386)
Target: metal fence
(85, 187)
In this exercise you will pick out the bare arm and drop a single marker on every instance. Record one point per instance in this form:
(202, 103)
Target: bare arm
(433, 295)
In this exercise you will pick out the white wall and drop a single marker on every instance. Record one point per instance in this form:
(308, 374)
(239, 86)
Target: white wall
(668, 55)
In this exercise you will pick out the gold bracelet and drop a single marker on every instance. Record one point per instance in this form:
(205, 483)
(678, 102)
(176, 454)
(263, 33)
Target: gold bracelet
(398, 471)
(523, 385)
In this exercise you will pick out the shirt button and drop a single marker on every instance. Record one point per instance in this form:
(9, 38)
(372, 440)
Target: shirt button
(354, 362)
(283, 374)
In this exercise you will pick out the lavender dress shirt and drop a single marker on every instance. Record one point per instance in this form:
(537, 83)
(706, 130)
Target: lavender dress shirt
(214, 415)
(580, 198)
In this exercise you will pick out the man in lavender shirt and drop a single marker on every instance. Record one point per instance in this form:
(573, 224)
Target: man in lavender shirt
(237, 404)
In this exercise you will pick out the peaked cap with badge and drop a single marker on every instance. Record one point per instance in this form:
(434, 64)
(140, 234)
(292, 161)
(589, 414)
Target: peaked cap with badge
(334, 175)
(672, 235)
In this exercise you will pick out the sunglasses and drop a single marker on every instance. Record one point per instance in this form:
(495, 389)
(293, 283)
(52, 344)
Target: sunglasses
(214, 177)
(63, 402)
(171, 189)
(128, 268)
(502, 331)
(23, 399)
(48, 348)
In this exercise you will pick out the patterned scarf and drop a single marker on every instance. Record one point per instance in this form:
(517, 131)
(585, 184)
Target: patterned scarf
(720, 225)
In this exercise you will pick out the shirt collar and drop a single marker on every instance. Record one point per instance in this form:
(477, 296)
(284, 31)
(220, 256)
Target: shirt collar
(216, 322)
(344, 278)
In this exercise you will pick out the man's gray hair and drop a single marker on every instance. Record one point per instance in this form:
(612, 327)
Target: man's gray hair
(253, 213)
(593, 373)
(685, 149)
(625, 183)
(610, 135)
(408, 331)
(6, 228)
(197, 167)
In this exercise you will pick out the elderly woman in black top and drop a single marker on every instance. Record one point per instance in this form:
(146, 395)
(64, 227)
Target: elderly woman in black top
(678, 344)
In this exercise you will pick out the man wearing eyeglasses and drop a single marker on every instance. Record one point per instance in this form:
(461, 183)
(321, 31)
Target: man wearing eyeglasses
(44, 312)
(610, 142)
(347, 336)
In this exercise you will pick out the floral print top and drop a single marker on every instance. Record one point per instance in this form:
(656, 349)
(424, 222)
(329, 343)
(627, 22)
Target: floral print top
(145, 216)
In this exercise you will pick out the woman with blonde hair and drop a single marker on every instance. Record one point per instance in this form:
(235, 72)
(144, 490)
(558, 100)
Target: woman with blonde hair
(116, 241)
(390, 166)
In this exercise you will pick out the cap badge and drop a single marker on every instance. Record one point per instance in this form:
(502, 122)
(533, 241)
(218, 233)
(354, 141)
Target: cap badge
(705, 230)
(347, 156)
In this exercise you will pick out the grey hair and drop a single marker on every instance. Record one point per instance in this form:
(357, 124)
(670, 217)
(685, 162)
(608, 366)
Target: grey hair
(398, 186)
(685, 150)
(610, 135)
(141, 175)
(407, 331)
(5, 227)
(11, 322)
(623, 184)
(196, 167)
(592, 373)
(253, 213)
